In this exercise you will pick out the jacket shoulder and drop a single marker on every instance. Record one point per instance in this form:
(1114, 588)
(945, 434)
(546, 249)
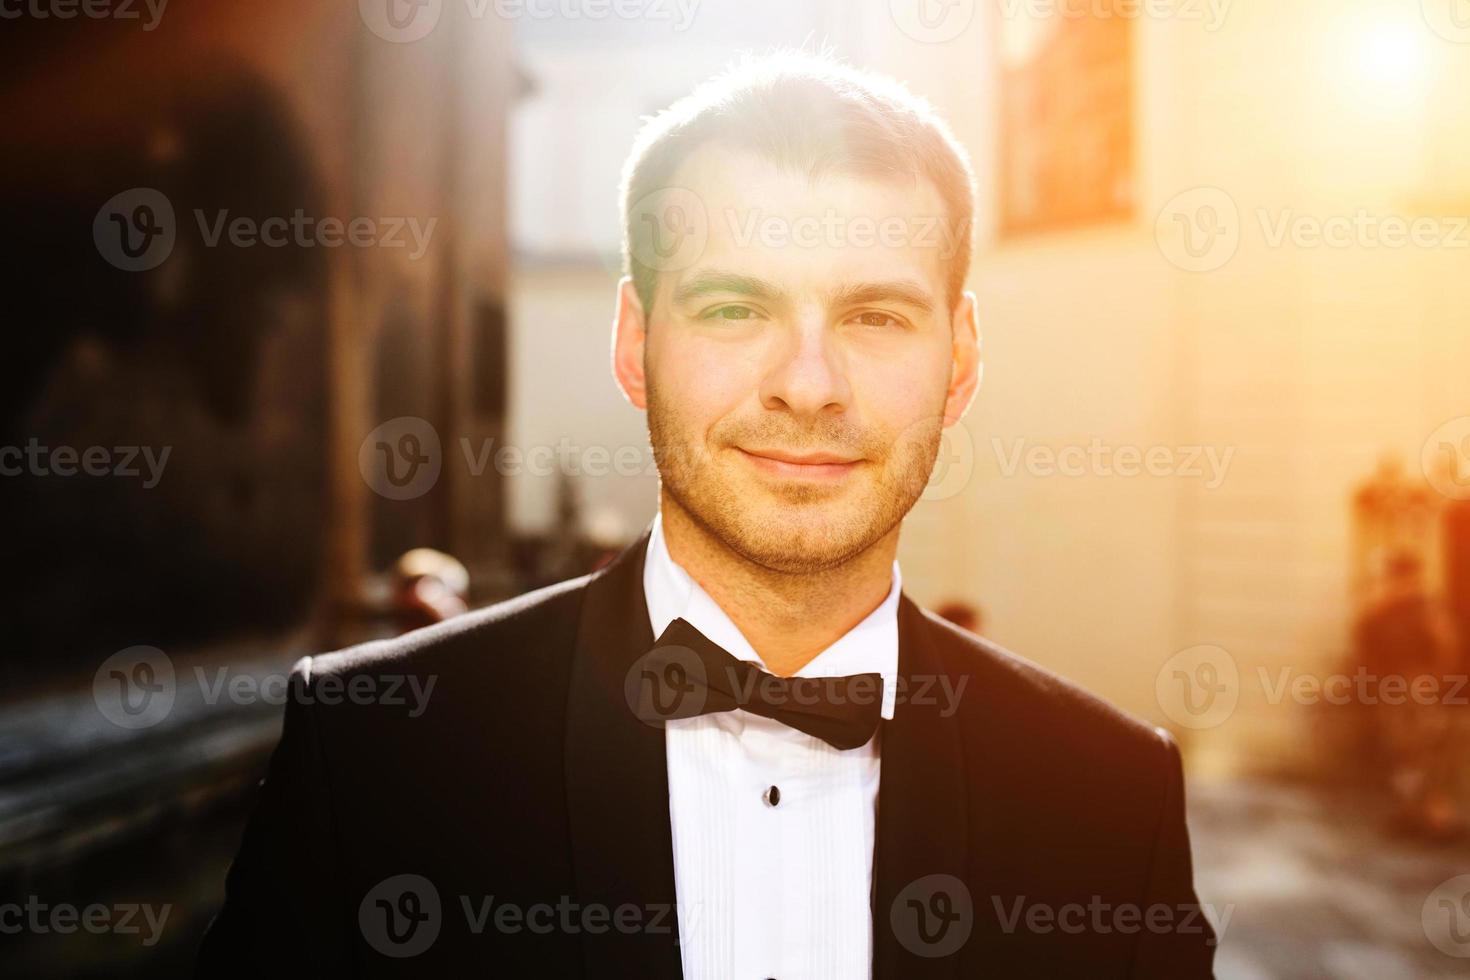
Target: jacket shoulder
(545, 614)
(1029, 698)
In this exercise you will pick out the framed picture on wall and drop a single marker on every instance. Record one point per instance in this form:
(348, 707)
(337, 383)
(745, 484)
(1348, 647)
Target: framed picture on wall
(1066, 139)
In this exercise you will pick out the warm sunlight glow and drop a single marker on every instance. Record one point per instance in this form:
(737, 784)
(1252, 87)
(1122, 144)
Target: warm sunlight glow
(1386, 58)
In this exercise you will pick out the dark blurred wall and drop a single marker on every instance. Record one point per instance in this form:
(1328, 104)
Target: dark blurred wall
(240, 381)
(217, 358)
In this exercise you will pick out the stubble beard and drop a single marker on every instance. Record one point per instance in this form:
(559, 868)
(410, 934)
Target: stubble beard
(800, 528)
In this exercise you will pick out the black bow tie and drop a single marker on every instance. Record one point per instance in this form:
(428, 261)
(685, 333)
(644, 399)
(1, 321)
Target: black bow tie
(687, 674)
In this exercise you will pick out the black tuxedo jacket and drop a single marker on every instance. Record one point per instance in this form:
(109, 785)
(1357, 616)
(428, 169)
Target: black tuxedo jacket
(519, 824)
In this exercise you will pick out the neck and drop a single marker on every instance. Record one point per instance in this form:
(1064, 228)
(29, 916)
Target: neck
(788, 617)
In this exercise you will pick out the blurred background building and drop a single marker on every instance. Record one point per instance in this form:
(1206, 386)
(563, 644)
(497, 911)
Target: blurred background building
(1223, 268)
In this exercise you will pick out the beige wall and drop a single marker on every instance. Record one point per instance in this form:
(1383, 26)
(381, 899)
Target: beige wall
(1307, 362)
(561, 384)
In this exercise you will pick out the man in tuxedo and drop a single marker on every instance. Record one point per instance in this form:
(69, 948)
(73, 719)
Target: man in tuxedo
(740, 749)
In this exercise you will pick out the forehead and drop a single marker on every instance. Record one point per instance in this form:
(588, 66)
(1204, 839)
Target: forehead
(807, 235)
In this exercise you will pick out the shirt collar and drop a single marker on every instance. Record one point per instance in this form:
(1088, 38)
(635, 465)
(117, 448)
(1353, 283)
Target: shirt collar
(869, 647)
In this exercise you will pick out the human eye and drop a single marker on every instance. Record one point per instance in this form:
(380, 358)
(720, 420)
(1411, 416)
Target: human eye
(877, 319)
(729, 312)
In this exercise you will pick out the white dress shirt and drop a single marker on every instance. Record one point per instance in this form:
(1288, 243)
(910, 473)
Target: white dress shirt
(771, 891)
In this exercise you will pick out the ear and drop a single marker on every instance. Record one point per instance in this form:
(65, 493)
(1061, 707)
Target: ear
(629, 332)
(964, 379)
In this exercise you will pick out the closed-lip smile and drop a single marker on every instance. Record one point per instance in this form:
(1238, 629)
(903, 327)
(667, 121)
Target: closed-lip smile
(801, 459)
(820, 466)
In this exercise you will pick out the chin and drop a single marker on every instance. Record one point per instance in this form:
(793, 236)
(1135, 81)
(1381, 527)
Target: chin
(796, 538)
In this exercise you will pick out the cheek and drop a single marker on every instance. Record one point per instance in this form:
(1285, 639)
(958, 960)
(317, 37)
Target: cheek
(898, 392)
(700, 383)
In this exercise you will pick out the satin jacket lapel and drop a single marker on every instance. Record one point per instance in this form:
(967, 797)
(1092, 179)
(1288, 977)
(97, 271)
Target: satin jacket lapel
(920, 860)
(618, 785)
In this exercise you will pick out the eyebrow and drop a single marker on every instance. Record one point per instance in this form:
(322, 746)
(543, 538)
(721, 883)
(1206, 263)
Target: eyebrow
(893, 290)
(854, 294)
(707, 283)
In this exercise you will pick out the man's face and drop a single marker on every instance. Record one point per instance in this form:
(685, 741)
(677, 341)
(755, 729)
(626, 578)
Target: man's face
(798, 370)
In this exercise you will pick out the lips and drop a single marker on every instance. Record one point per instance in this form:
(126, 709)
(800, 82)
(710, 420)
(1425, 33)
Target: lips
(805, 466)
(800, 459)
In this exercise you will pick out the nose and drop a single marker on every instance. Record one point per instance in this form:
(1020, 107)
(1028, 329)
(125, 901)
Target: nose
(809, 377)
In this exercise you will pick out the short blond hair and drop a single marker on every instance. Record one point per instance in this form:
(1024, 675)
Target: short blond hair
(809, 114)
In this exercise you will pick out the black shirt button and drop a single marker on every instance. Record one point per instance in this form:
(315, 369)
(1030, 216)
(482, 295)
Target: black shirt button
(772, 796)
